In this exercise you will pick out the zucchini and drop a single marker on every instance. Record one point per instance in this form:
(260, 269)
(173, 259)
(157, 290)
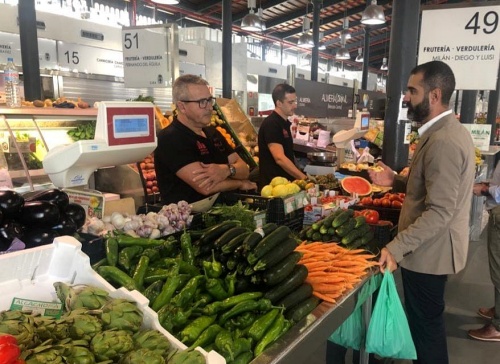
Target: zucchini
(346, 227)
(323, 229)
(268, 243)
(301, 310)
(289, 284)
(342, 218)
(300, 294)
(234, 243)
(228, 236)
(316, 236)
(360, 221)
(275, 255)
(355, 233)
(255, 237)
(280, 271)
(367, 238)
(215, 231)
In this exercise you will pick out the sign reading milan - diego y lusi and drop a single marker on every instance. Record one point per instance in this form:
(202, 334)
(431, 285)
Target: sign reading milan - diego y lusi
(467, 39)
(147, 54)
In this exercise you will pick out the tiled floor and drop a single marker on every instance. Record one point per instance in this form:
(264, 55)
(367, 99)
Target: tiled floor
(465, 293)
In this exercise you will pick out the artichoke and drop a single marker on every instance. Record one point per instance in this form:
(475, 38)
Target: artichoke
(81, 296)
(50, 328)
(83, 324)
(187, 356)
(152, 340)
(122, 315)
(78, 355)
(24, 331)
(111, 344)
(142, 356)
(45, 354)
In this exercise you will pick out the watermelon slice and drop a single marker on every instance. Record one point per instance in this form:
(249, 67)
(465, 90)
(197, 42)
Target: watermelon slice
(354, 184)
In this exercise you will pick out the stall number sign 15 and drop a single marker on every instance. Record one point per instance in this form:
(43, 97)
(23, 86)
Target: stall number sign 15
(489, 22)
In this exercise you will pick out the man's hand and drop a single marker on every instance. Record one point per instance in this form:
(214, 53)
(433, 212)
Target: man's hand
(210, 174)
(247, 185)
(479, 188)
(387, 261)
(384, 178)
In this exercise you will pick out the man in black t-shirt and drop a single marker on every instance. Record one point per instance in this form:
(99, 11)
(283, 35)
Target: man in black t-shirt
(276, 156)
(192, 159)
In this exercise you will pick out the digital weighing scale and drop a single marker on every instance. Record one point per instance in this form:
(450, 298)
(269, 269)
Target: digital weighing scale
(342, 138)
(125, 133)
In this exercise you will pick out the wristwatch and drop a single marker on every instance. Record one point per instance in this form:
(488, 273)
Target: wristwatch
(232, 170)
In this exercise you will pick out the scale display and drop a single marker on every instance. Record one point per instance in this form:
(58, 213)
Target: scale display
(365, 121)
(130, 126)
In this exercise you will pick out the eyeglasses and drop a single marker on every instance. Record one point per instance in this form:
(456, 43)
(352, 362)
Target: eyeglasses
(202, 103)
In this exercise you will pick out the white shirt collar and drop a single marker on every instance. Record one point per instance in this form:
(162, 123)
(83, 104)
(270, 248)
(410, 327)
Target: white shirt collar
(431, 122)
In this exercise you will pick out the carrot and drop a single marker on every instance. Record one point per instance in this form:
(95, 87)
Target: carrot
(324, 297)
(325, 279)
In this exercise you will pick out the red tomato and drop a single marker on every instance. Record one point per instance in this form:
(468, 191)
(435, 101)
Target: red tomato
(367, 201)
(371, 216)
(377, 202)
(385, 202)
(396, 204)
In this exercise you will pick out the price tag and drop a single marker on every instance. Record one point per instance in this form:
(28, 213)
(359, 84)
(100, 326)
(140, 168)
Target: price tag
(467, 39)
(148, 57)
(89, 59)
(260, 219)
(289, 204)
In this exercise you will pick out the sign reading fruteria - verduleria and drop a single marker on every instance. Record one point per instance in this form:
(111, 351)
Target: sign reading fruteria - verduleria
(150, 55)
(467, 38)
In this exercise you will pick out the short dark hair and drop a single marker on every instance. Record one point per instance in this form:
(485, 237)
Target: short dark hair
(280, 92)
(437, 74)
(180, 87)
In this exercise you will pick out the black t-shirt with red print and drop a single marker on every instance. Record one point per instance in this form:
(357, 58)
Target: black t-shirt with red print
(179, 146)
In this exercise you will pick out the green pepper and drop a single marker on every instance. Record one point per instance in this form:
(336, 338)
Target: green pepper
(155, 274)
(241, 345)
(187, 248)
(116, 275)
(129, 241)
(224, 344)
(260, 326)
(111, 246)
(152, 254)
(169, 248)
(244, 320)
(230, 281)
(152, 291)
(243, 358)
(212, 269)
(180, 317)
(202, 300)
(103, 261)
(186, 295)
(207, 336)
(192, 331)
(215, 287)
(165, 317)
(218, 306)
(184, 267)
(167, 292)
(248, 305)
(127, 254)
(140, 271)
(272, 334)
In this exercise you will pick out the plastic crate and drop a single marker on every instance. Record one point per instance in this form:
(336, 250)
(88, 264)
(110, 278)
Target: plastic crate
(30, 274)
(274, 207)
(383, 234)
(385, 213)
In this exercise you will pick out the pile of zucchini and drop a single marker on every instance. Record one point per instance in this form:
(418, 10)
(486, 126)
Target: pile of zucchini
(341, 227)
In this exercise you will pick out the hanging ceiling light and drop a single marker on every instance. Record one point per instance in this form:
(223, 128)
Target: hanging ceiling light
(359, 57)
(260, 13)
(385, 66)
(345, 24)
(321, 46)
(373, 14)
(342, 53)
(306, 39)
(166, 2)
(251, 22)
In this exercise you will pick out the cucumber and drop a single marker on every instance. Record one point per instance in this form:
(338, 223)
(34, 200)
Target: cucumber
(323, 229)
(360, 220)
(275, 255)
(289, 284)
(228, 236)
(309, 234)
(301, 310)
(355, 244)
(210, 235)
(367, 238)
(342, 218)
(255, 237)
(281, 270)
(316, 236)
(234, 243)
(300, 294)
(268, 243)
(355, 233)
(346, 227)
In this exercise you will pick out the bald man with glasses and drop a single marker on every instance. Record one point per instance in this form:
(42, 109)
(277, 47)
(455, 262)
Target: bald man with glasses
(192, 159)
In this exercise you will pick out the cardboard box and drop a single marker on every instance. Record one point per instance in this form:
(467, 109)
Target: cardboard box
(30, 274)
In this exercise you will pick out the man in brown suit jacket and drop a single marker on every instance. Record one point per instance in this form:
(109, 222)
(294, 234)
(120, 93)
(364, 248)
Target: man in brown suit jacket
(433, 229)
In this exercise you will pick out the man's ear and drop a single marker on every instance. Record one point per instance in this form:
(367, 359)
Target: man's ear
(435, 96)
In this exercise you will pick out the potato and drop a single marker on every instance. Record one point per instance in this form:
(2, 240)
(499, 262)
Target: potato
(38, 103)
(82, 105)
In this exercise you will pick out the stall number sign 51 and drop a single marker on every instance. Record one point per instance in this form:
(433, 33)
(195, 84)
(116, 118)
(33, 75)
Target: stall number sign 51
(467, 39)
(131, 40)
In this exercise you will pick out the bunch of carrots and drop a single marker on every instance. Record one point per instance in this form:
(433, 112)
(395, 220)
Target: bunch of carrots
(333, 269)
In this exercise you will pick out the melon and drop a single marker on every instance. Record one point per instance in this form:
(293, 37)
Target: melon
(354, 184)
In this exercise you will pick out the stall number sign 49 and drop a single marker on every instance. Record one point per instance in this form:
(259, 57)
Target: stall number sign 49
(467, 39)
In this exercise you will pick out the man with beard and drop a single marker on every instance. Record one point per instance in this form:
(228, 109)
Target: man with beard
(275, 139)
(192, 159)
(433, 228)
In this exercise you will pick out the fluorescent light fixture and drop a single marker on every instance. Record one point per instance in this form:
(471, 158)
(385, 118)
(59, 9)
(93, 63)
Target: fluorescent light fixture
(373, 14)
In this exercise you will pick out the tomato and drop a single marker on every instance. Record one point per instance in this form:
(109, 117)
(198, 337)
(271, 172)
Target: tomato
(377, 202)
(385, 202)
(396, 204)
(367, 201)
(371, 216)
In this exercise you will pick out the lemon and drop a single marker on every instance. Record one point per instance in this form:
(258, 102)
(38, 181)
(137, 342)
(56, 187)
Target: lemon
(280, 191)
(267, 191)
(292, 188)
(278, 181)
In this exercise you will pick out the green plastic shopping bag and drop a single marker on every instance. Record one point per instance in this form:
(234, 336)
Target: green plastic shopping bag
(352, 332)
(388, 333)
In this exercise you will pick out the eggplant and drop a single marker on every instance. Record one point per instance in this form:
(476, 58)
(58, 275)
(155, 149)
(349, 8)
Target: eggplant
(36, 237)
(65, 226)
(11, 204)
(11, 229)
(39, 213)
(55, 195)
(4, 244)
(76, 213)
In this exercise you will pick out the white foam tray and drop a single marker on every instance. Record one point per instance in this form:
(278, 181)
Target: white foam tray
(30, 274)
